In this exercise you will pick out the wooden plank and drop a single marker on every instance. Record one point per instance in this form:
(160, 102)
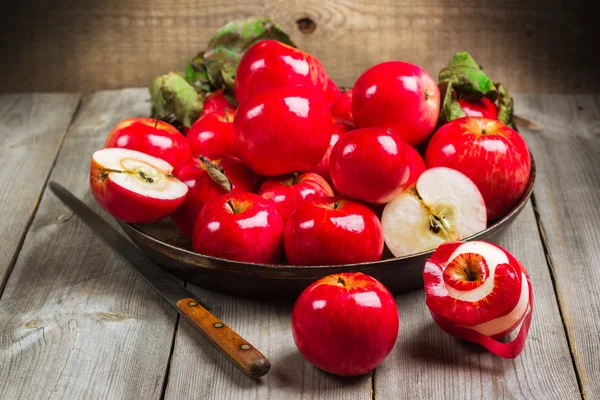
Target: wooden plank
(567, 193)
(428, 363)
(69, 45)
(77, 323)
(198, 371)
(31, 130)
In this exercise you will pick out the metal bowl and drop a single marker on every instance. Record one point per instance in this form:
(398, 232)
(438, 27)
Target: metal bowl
(167, 247)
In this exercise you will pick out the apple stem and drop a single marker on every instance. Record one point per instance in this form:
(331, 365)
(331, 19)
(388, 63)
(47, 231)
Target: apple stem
(156, 122)
(294, 178)
(336, 205)
(227, 114)
(341, 281)
(230, 204)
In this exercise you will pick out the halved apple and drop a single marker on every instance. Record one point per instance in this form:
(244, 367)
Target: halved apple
(134, 186)
(442, 206)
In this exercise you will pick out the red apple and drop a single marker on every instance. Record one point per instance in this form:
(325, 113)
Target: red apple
(345, 324)
(150, 136)
(271, 64)
(482, 108)
(133, 186)
(339, 127)
(213, 134)
(370, 164)
(332, 92)
(397, 95)
(493, 155)
(331, 231)
(216, 102)
(342, 107)
(289, 191)
(416, 163)
(239, 226)
(207, 178)
(282, 130)
(479, 292)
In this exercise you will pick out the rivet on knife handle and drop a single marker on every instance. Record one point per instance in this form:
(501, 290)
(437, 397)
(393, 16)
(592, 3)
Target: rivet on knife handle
(243, 354)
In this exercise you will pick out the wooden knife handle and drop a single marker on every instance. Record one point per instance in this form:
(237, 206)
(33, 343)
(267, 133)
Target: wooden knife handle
(245, 356)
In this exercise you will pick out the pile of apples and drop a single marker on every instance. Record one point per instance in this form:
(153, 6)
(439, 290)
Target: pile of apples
(296, 167)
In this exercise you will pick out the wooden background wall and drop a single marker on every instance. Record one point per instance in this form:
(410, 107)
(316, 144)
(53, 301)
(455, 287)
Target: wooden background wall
(80, 45)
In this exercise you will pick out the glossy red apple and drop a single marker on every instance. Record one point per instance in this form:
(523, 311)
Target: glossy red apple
(239, 226)
(216, 102)
(213, 134)
(289, 191)
(345, 324)
(370, 164)
(207, 178)
(282, 130)
(482, 108)
(493, 155)
(133, 186)
(339, 128)
(416, 163)
(342, 107)
(479, 292)
(331, 93)
(150, 136)
(332, 231)
(399, 96)
(271, 64)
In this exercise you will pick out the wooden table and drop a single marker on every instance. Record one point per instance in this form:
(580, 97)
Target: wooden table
(77, 323)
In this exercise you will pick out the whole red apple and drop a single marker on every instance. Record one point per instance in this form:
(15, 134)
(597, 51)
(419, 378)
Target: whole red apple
(370, 164)
(339, 127)
(271, 64)
(493, 155)
(216, 102)
(342, 107)
(332, 92)
(207, 178)
(282, 130)
(345, 324)
(416, 163)
(239, 226)
(289, 191)
(152, 137)
(332, 231)
(213, 134)
(397, 95)
(482, 108)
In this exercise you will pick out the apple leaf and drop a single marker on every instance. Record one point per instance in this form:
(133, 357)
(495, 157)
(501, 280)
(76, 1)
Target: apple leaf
(450, 109)
(217, 174)
(467, 78)
(173, 98)
(505, 106)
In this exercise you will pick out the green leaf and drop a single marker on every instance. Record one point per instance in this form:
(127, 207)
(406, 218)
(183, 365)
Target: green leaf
(505, 106)
(173, 97)
(468, 78)
(450, 109)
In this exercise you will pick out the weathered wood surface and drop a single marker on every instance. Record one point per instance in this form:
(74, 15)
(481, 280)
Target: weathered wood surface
(77, 323)
(567, 149)
(31, 130)
(81, 45)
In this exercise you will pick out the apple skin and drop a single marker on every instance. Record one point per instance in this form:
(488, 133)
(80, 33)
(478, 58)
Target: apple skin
(342, 107)
(271, 64)
(492, 154)
(417, 165)
(370, 164)
(216, 102)
(289, 191)
(482, 108)
(239, 226)
(332, 231)
(339, 128)
(158, 139)
(282, 130)
(332, 92)
(397, 95)
(202, 188)
(345, 324)
(213, 134)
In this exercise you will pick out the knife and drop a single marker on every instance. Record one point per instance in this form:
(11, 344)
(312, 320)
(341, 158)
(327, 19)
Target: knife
(245, 356)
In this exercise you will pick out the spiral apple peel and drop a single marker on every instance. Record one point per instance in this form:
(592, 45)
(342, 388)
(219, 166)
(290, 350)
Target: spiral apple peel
(479, 292)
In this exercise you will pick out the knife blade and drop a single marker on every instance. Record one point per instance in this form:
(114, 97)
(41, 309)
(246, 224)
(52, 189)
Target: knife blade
(245, 356)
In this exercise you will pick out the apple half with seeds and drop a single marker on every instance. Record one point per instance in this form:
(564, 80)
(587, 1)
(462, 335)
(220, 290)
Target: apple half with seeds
(442, 206)
(133, 186)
